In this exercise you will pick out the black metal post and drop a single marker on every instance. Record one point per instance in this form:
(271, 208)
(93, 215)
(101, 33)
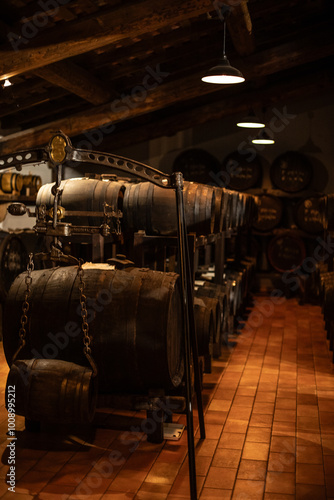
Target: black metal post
(193, 338)
(182, 244)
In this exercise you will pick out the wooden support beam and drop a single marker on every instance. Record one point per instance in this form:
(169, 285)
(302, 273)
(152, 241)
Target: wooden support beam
(76, 80)
(172, 92)
(83, 36)
(239, 25)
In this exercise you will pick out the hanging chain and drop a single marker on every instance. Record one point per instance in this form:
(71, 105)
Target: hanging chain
(25, 306)
(84, 326)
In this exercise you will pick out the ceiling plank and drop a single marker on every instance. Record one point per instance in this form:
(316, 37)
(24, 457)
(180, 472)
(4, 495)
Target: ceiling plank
(76, 80)
(130, 20)
(169, 93)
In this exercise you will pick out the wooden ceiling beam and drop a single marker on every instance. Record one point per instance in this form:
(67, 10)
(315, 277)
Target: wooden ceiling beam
(239, 25)
(172, 92)
(78, 37)
(76, 80)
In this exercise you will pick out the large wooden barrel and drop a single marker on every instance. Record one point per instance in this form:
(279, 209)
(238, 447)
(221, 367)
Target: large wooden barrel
(11, 182)
(286, 252)
(197, 165)
(241, 173)
(308, 216)
(291, 171)
(13, 260)
(269, 213)
(55, 391)
(153, 209)
(134, 315)
(84, 194)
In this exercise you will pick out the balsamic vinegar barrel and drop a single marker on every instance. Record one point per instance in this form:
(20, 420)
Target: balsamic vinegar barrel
(291, 171)
(241, 173)
(286, 252)
(134, 317)
(52, 390)
(11, 182)
(84, 194)
(153, 208)
(205, 327)
(31, 184)
(308, 216)
(269, 212)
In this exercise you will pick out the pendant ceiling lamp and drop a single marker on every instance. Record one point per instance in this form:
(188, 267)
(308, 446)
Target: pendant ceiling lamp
(223, 73)
(263, 138)
(251, 121)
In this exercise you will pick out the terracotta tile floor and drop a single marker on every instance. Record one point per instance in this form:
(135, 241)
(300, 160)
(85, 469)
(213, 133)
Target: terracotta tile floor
(269, 421)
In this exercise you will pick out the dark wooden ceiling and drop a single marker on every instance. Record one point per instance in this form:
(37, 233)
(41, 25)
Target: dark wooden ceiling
(81, 66)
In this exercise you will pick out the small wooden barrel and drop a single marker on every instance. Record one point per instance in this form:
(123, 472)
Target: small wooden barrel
(308, 216)
(291, 172)
(286, 252)
(11, 182)
(31, 184)
(55, 391)
(135, 321)
(197, 165)
(269, 213)
(153, 209)
(241, 173)
(84, 194)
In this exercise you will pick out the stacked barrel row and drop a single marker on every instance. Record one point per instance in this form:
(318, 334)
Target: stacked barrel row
(147, 207)
(219, 307)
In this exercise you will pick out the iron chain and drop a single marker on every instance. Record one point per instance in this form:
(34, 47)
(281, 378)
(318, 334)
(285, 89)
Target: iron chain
(25, 306)
(83, 305)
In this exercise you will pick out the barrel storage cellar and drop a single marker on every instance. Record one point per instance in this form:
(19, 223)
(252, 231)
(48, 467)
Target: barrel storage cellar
(166, 252)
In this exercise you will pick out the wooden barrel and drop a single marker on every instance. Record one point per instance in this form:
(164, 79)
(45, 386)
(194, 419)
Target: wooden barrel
(226, 210)
(308, 216)
(213, 305)
(205, 327)
(31, 184)
(286, 252)
(241, 173)
(11, 182)
(84, 194)
(218, 292)
(219, 210)
(153, 209)
(13, 260)
(197, 165)
(55, 391)
(134, 315)
(268, 213)
(291, 171)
